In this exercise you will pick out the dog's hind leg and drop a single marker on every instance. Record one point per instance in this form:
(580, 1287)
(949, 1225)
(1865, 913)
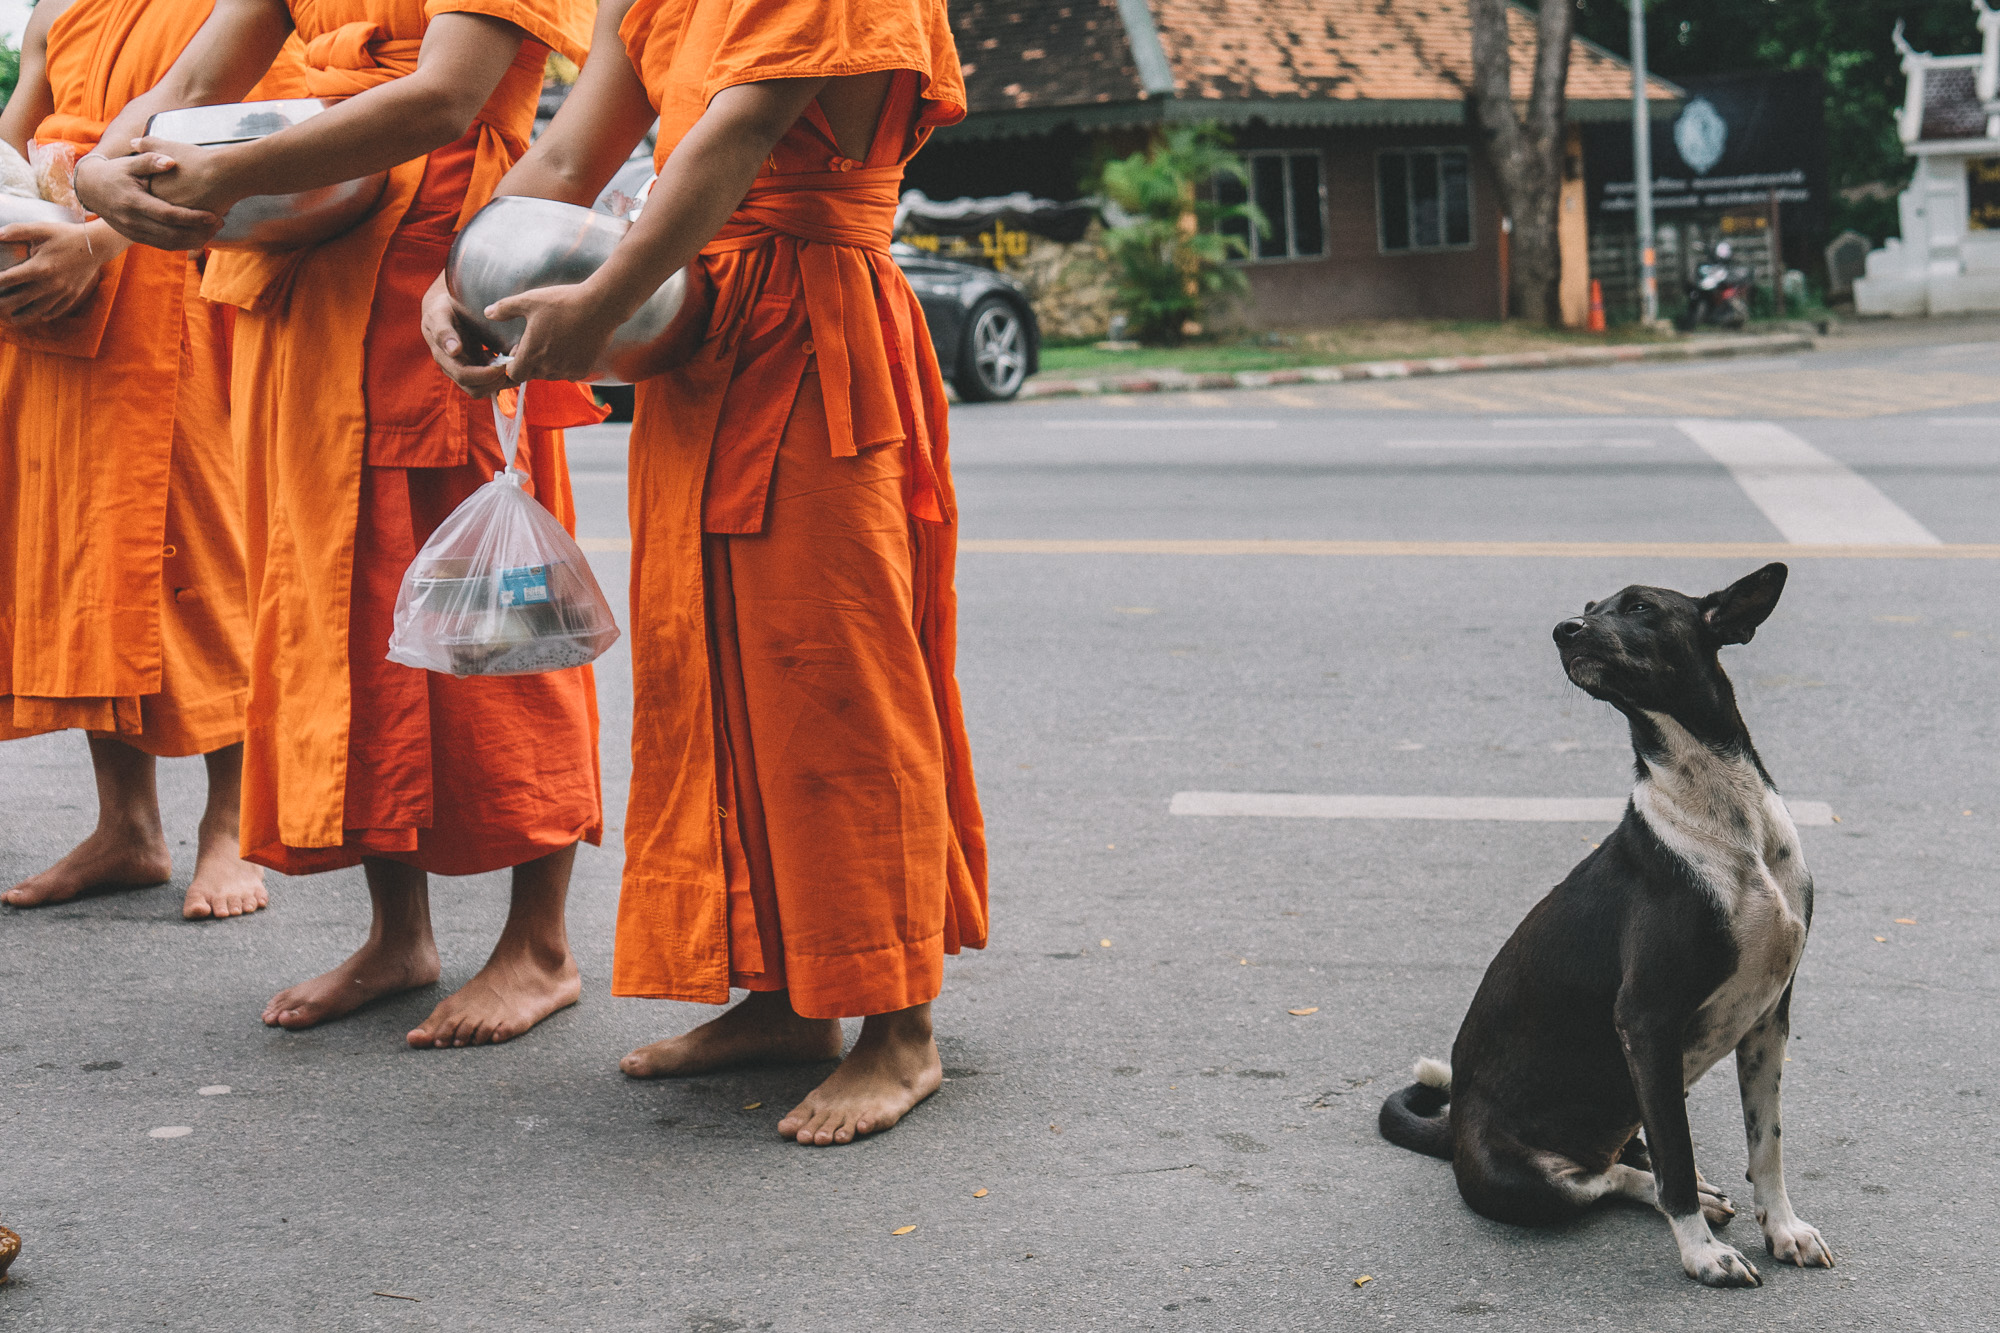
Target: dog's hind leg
(1760, 1065)
(1631, 1177)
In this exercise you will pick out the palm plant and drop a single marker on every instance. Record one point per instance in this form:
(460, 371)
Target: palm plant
(1170, 260)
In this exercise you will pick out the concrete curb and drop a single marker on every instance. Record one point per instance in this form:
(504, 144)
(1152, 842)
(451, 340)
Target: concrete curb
(1171, 381)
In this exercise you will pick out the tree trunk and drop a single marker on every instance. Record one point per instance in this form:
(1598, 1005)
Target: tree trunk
(1526, 155)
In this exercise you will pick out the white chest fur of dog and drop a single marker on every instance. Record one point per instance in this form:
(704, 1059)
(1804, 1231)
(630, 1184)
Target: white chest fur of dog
(1716, 813)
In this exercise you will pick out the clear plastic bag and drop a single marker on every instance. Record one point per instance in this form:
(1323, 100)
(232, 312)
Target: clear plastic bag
(500, 589)
(54, 165)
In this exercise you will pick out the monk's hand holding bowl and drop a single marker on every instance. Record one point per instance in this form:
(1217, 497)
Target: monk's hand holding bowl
(200, 180)
(61, 270)
(568, 330)
(459, 353)
(120, 190)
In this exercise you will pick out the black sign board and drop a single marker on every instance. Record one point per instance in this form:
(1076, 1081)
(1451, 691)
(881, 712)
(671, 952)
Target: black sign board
(1982, 188)
(1737, 138)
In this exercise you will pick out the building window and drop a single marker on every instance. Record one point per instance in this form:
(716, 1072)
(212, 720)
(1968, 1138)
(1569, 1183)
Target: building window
(1423, 198)
(1286, 188)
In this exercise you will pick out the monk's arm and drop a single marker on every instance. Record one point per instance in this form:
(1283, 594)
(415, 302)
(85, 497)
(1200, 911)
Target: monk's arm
(463, 59)
(64, 261)
(32, 101)
(704, 180)
(232, 49)
(597, 127)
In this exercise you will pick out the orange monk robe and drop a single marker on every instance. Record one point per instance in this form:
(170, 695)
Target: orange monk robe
(803, 813)
(122, 606)
(355, 446)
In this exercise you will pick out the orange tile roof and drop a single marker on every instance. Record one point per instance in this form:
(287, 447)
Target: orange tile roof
(1388, 50)
(1022, 54)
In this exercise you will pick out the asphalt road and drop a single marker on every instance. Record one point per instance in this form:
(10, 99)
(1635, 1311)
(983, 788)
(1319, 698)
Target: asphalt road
(1162, 1143)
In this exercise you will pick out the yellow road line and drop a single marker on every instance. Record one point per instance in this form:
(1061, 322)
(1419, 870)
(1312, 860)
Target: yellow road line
(1487, 550)
(1474, 550)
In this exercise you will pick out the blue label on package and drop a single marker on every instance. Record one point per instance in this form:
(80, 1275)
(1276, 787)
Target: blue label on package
(525, 586)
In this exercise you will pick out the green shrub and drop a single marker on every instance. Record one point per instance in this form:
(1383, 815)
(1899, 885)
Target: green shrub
(10, 69)
(1171, 260)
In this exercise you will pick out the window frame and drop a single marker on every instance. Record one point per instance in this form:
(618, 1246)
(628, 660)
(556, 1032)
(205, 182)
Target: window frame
(1410, 200)
(1249, 156)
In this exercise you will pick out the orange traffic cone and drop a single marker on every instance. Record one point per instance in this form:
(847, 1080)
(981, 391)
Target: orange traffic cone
(1596, 306)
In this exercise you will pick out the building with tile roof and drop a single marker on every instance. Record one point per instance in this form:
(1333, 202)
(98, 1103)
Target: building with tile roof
(1353, 114)
(1947, 260)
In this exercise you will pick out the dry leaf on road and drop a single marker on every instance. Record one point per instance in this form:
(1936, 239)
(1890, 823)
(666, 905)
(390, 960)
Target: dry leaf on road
(902, 1231)
(1301, 1013)
(979, 1194)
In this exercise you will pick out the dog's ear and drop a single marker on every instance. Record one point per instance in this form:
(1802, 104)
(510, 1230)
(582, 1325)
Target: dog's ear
(1588, 607)
(1734, 614)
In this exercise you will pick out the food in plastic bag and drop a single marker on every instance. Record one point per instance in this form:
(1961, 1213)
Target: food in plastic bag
(500, 589)
(55, 173)
(17, 178)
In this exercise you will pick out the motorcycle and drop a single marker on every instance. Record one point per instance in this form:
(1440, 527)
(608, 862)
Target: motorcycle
(1719, 294)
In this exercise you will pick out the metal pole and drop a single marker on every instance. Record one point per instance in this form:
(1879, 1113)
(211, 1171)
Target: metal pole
(1642, 167)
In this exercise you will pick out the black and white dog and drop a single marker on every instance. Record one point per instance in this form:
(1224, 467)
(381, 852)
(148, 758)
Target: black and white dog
(1670, 945)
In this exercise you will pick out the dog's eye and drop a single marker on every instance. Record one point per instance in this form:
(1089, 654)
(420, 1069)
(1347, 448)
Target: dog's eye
(1638, 608)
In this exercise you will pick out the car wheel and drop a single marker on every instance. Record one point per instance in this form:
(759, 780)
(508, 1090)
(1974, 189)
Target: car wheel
(993, 361)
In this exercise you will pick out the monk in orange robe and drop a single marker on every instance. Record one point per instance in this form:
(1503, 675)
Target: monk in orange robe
(355, 448)
(803, 823)
(122, 596)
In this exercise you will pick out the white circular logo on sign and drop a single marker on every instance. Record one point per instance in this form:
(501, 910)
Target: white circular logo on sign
(1700, 134)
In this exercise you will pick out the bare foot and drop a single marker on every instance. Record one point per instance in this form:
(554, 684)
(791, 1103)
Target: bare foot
(130, 857)
(376, 969)
(224, 883)
(513, 992)
(763, 1029)
(891, 1068)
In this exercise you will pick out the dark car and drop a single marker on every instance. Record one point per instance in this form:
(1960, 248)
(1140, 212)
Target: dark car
(987, 340)
(981, 324)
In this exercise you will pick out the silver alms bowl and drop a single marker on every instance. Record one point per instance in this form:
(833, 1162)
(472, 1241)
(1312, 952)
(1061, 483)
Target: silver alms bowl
(15, 209)
(516, 244)
(271, 221)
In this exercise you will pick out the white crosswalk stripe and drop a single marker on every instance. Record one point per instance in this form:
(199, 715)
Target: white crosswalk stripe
(1808, 496)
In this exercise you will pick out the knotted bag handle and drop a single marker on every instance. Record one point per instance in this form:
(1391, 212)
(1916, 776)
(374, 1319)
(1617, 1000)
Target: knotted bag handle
(509, 430)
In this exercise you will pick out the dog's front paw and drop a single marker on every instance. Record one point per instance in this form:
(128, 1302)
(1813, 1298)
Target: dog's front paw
(1719, 1265)
(1793, 1242)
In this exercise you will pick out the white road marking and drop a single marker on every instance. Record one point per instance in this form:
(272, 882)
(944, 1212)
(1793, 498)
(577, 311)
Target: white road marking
(214, 1090)
(1517, 809)
(1808, 496)
(1161, 423)
(1553, 423)
(1519, 442)
(170, 1132)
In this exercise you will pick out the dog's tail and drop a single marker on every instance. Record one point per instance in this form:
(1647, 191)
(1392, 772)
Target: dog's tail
(1419, 1116)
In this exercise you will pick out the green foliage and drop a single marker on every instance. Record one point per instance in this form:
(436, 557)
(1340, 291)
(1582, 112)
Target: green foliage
(1847, 40)
(10, 69)
(1171, 261)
